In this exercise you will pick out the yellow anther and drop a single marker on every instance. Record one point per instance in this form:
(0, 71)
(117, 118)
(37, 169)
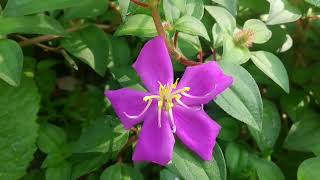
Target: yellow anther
(173, 86)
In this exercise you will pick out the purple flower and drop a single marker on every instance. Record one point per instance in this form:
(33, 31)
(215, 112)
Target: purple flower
(170, 108)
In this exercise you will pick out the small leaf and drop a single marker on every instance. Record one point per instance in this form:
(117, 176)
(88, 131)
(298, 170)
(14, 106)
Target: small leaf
(234, 53)
(171, 11)
(24, 7)
(304, 135)
(90, 45)
(195, 8)
(313, 2)
(266, 170)
(188, 44)
(51, 138)
(224, 19)
(18, 114)
(104, 135)
(242, 100)
(63, 171)
(121, 172)
(137, 25)
(191, 25)
(261, 33)
(167, 175)
(236, 158)
(124, 6)
(231, 5)
(309, 169)
(86, 9)
(189, 166)
(266, 138)
(217, 36)
(230, 128)
(11, 60)
(281, 11)
(272, 66)
(38, 24)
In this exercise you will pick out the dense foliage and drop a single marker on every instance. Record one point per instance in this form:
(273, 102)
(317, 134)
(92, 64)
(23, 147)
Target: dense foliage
(57, 57)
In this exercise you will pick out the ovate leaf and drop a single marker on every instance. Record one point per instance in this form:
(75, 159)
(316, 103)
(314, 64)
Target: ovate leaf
(121, 172)
(272, 66)
(137, 25)
(191, 25)
(261, 33)
(236, 158)
(309, 169)
(18, 113)
(124, 6)
(104, 135)
(189, 166)
(11, 60)
(90, 45)
(242, 100)
(195, 8)
(231, 5)
(281, 11)
(24, 7)
(51, 138)
(38, 24)
(270, 129)
(224, 19)
(234, 53)
(266, 170)
(171, 11)
(304, 135)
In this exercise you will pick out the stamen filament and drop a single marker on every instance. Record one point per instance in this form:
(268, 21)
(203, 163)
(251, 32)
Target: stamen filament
(141, 114)
(183, 90)
(187, 107)
(174, 128)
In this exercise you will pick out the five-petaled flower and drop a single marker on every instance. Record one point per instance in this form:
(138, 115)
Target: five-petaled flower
(170, 108)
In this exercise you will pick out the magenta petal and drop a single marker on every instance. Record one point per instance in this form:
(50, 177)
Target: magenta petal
(129, 101)
(206, 81)
(154, 64)
(196, 130)
(155, 144)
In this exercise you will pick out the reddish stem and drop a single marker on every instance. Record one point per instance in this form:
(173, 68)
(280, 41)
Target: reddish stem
(175, 39)
(214, 54)
(200, 56)
(137, 2)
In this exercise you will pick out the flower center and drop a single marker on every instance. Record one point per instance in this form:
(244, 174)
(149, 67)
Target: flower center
(167, 98)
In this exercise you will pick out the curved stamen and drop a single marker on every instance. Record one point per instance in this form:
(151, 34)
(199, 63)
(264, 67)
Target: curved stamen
(141, 114)
(159, 113)
(174, 128)
(187, 107)
(183, 90)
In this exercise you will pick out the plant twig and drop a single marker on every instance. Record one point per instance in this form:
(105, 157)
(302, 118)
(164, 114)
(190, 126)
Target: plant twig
(175, 39)
(45, 47)
(129, 143)
(137, 2)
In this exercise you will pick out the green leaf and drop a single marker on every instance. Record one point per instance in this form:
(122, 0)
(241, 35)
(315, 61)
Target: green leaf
(281, 11)
(127, 77)
(236, 158)
(242, 100)
(90, 45)
(304, 135)
(266, 138)
(87, 9)
(261, 33)
(124, 6)
(18, 113)
(230, 129)
(309, 169)
(85, 163)
(119, 52)
(104, 135)
(24, 7)
(63, 171)
(171, 11)
(272, 66)
(217, 36)
(191, 25)
(189, 166)
(137, 25)
(224, 19)
(231, 5)
(313, 2)
(38, 24)
(11, 61)
(195, 8)
(51, 138)
(121, 172)
(167, 175)
(188, 44)
(234, 53)
(266, 170)
(294, 104)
